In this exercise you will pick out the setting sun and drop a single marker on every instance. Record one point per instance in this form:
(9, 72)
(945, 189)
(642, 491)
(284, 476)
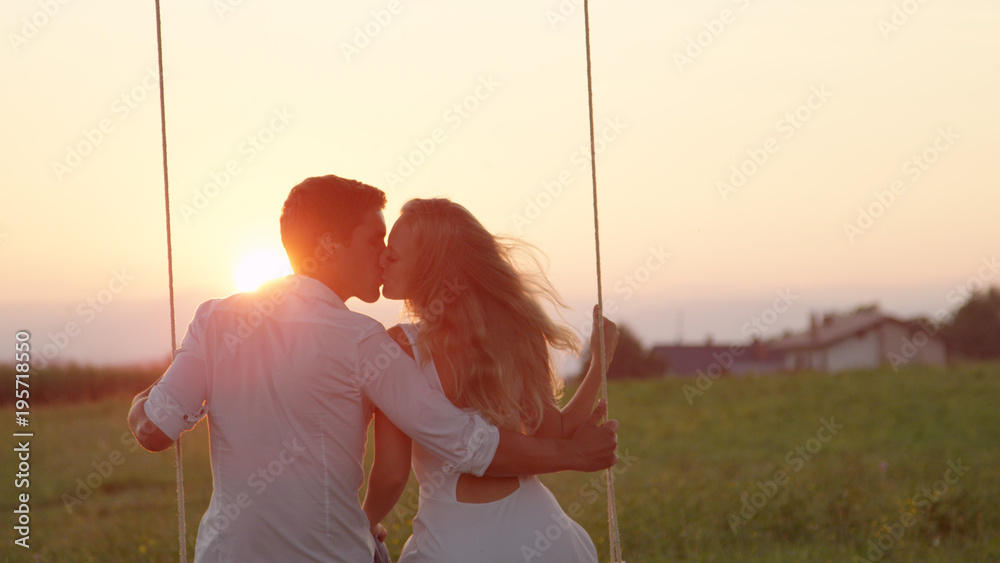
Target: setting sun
(260, 267)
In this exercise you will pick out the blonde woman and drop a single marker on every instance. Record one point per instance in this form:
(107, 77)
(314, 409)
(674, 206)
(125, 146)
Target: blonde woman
(481, 337)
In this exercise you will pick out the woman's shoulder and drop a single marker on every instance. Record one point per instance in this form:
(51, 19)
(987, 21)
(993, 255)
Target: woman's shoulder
(402, 334)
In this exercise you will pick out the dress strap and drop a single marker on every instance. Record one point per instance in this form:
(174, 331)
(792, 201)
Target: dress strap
(410, 330)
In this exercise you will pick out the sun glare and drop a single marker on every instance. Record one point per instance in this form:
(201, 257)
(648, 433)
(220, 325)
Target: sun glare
(260, 267)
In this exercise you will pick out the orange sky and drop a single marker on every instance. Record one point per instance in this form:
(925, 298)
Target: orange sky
(843, 152)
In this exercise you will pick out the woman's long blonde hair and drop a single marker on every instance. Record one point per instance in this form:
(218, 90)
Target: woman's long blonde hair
(478, 299)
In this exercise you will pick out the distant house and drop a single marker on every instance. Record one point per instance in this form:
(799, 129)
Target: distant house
(865, 338)
(714, 359)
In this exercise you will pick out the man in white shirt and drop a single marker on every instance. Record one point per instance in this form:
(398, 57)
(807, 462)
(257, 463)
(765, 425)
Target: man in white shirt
(288, 377)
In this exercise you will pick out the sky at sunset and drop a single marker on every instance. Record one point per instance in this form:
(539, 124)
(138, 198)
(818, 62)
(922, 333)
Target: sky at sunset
(820, 155)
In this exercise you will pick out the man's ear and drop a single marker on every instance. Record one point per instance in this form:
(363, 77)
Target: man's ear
(329, 244)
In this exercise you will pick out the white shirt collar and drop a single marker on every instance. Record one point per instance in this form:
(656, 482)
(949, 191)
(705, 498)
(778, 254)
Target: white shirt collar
(309, 288)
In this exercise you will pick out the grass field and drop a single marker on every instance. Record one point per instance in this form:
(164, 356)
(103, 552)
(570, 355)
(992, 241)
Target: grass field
(850, 467)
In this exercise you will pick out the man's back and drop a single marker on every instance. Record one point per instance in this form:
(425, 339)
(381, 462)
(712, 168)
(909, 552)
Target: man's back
(287, 422)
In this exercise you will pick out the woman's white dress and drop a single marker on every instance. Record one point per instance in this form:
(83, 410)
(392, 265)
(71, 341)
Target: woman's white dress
(527, 525)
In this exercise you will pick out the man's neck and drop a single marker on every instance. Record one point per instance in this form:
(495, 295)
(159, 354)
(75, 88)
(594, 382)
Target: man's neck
(336, 285)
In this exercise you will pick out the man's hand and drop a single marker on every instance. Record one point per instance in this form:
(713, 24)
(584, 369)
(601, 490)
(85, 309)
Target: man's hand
(145, 431)
(380, 533)
(595, 444)
(591, 448)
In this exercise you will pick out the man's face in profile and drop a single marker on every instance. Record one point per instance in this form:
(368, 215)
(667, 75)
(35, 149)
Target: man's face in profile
(360, 256)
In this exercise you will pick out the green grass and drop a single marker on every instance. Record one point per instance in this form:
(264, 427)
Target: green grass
(684, 469)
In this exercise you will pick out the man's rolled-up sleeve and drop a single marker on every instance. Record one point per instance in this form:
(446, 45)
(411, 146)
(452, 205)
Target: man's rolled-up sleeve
(391, 380)
(177, 401)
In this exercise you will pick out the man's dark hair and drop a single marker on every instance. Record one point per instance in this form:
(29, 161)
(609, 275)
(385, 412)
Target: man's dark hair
(323, 209)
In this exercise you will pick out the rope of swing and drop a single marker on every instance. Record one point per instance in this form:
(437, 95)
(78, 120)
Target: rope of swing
(178, 457)
(614, 536)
